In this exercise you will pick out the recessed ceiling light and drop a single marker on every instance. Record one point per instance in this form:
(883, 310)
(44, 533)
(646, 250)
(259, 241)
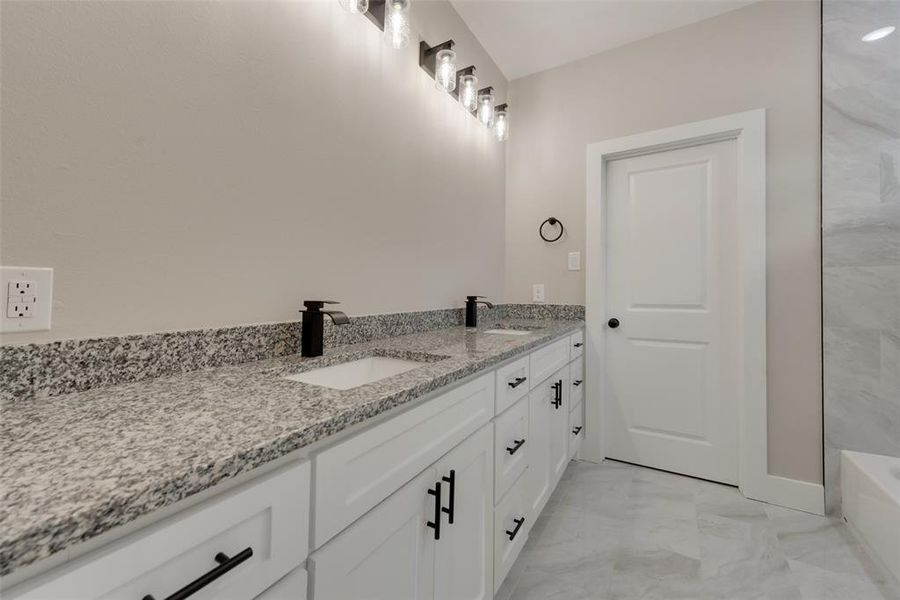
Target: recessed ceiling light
(878, 33)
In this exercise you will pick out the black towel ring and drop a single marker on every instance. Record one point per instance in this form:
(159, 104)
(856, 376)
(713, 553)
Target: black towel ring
(551, 221)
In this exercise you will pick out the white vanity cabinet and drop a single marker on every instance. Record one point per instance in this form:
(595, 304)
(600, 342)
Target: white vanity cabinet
(431, 503)
(430, 539)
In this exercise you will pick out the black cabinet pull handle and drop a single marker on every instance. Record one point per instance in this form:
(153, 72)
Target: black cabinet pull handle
(557, 395)
(436, 524)
(518, 522)
(451, 510)
(579, 344)
(613, 323)
(226, 564)
(577, 430)
(515, 447)
(577, 382)
(517, 382)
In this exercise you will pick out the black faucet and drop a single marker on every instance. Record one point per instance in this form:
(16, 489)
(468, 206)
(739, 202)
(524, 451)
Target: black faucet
(472, 303)
(311, 332)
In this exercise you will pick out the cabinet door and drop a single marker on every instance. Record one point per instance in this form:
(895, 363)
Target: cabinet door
(463, 561)
(540, 405)
(559, 427)
(388, 554)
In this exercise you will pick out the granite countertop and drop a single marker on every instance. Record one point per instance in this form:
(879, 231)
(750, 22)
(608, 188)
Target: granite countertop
(77, 465)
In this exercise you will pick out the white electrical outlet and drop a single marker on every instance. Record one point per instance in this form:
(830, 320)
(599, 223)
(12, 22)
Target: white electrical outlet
(574, 261)
(537, 292)
(29, 296)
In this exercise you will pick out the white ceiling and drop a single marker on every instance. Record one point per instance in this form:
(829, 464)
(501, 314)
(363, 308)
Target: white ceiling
(527, 36)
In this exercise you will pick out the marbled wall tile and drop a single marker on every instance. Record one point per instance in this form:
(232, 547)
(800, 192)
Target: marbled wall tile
(861, 236)
(861, 233)
(862, 297)
(890, 172)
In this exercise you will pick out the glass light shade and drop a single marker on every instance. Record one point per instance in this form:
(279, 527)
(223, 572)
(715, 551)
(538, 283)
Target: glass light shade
(355, 6)
(396, 23)
(445, 70)
(468, 92)
(501, 126)
(486, 108)
(883, 32)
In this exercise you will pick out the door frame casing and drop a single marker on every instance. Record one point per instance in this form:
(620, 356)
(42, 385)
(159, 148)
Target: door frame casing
(748, 129)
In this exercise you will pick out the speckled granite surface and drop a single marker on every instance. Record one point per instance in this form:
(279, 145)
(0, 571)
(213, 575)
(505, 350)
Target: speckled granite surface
(79, 464)
(78, 365)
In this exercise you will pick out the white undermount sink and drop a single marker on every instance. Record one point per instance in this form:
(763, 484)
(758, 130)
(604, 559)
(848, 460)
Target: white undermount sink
(508, 331)
(356, 373)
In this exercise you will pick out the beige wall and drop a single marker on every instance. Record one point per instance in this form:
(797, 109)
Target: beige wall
(188, 164)
(765, 55)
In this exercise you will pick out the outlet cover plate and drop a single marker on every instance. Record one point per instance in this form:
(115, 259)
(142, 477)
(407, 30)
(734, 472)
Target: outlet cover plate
(574, 261)
(537, 292)
(40, 298)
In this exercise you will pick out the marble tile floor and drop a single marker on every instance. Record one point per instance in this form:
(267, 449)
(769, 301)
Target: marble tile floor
(617, 531)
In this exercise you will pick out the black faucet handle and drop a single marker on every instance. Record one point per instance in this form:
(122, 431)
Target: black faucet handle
(474, 298)
(318, 304)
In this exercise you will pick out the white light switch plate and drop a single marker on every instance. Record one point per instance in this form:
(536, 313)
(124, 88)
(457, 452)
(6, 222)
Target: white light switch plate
(27, 295)
(537, 292)
(574, 261)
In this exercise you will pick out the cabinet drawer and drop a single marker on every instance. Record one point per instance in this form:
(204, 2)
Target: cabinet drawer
(546, 360)
(510, 447)
(576, 429)
(576, 380)
(355, 475)
(576, 344)
(512, 383)
(268, 516)
(510, 529)
(290, 587)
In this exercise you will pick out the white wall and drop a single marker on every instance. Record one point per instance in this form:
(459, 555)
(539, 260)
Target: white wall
(765, 55)
(185, 164)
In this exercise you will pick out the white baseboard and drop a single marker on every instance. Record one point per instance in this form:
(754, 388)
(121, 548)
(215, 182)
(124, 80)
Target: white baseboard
(792, 493)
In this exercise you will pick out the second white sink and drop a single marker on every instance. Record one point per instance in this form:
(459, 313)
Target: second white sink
(356, 373)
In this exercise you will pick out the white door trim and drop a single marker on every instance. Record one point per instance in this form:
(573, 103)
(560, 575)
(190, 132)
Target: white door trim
(749, 131)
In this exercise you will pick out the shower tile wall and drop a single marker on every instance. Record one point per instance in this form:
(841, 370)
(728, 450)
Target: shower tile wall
(861, 233)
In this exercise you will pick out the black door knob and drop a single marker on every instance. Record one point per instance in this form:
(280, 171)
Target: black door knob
(613, 323)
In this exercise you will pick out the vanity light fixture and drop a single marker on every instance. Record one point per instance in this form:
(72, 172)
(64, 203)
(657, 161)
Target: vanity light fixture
(486, 106)
(501, 122)
(392, 17)
(467, 89)
(355, 6)
(396, 23)
(376, 13)
(439, 62)
(879, 33)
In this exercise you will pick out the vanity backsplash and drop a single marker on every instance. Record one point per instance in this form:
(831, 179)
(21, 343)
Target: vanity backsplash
(62, 367)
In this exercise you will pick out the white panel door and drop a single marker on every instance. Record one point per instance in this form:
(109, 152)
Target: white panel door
(388, 554)
(673, 359)
(463, 557)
